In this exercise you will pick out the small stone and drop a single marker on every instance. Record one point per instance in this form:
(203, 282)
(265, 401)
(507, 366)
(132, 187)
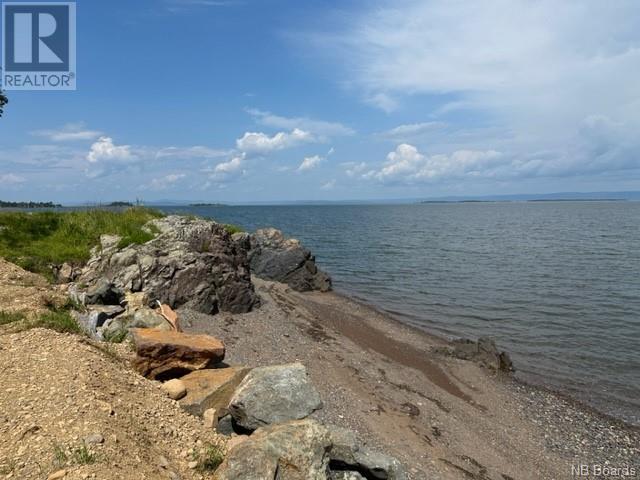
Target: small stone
(163, 462)
(175, 389)
(193, 465)
(210, 417)
(57, 475)
(94, 439)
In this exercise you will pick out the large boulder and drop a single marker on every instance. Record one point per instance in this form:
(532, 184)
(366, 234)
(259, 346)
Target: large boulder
(274, 394)
(347, 455)
(191, 262)
(211, 389)
(298, 450)
(272, 257)
(162, 355)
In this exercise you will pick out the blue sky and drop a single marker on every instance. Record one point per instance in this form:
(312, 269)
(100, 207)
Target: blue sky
(267, 100)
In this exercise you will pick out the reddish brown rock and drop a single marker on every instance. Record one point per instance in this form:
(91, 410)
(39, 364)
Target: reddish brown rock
(211, 389)
(164, 355)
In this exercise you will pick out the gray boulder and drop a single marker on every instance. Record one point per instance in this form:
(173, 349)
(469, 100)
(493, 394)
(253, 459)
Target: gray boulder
(103, 292)
(117, 328)
(275, 394)
(348, 455)
(272, 257)
(190, 263)
(483, 352)
(95, 317)
(297, 450)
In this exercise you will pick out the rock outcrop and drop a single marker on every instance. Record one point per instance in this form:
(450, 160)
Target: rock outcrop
(298, 450)
(276, 394)
(164, 355)
(272, 257)
(191, 262)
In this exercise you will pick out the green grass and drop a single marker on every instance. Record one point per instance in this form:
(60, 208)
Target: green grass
(82, 456)
(10, 317)
(233, 229)
(210, 459)
(58, 319)
(35, 241)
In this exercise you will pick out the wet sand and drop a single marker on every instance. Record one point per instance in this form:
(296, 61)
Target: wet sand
(444, 418)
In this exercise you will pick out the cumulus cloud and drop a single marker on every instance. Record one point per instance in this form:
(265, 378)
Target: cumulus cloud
(69, 133)
(104, 150)
(317, 127)
(261, 143)
(235, 166)
(407, 165)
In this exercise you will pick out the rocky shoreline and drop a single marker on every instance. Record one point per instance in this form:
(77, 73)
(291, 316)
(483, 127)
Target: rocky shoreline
(299, 382)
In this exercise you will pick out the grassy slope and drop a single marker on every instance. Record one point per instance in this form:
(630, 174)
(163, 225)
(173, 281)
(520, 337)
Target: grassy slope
(34, 241)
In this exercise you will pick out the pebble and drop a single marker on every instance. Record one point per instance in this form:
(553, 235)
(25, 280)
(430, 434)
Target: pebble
(193, 465)
(94, 439)
(57, 475)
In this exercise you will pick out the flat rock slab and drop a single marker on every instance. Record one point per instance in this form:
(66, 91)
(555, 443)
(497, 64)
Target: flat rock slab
(276, 394)
(164, 355)
(211, 388)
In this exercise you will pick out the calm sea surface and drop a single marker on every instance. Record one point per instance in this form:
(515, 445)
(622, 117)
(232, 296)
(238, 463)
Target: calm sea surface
(557, 284)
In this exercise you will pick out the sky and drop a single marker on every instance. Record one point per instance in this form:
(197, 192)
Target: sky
(277, 100)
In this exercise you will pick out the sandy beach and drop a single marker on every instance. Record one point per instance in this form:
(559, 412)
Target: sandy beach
(443, 417)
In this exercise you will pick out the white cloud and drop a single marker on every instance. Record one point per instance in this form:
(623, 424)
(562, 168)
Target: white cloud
(68, 133)
(167, 181)
(309, 163)
(104, 150)
(233, 167)
(11, 179)
(261, 143)
(352, 168)
(316, 127)
(535, 69)
(412, 130)
(407, 165)
(383, 101)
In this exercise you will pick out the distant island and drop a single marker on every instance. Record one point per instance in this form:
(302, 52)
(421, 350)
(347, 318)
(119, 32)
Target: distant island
(29, 205)
(208, 205)
(120, 204)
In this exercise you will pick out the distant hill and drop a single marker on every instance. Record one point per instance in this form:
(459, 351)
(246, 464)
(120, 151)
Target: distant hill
(541, 197)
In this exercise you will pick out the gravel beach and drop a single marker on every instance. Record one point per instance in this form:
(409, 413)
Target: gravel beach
(443, 417)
